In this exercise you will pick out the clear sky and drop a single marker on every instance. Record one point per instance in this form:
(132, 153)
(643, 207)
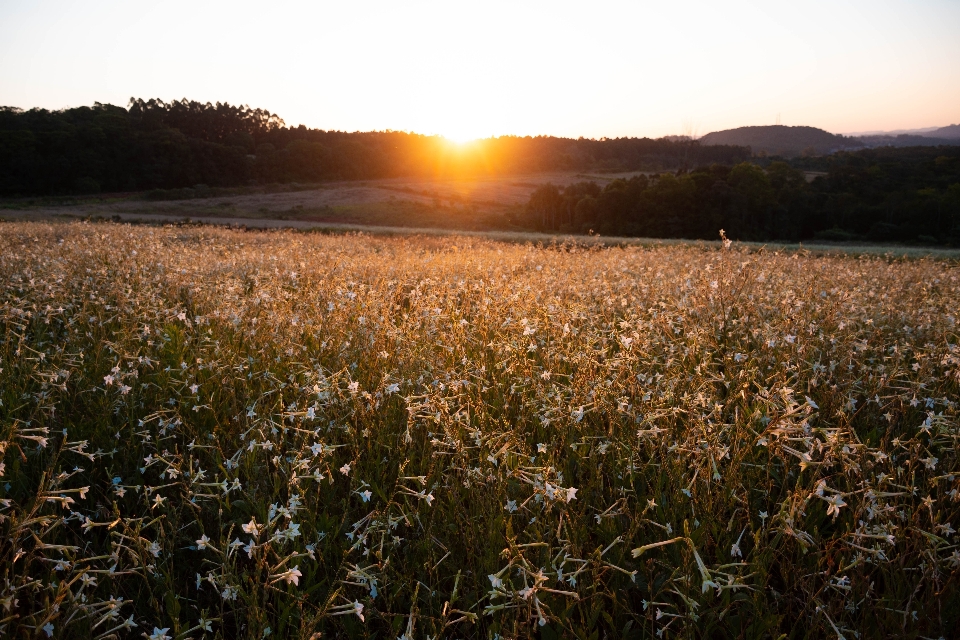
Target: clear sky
(472, 69)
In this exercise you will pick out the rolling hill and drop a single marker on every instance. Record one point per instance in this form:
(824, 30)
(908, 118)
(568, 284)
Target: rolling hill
(950, 131)
(782, 140)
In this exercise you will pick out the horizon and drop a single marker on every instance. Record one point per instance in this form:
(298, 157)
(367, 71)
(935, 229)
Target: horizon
(469, 73)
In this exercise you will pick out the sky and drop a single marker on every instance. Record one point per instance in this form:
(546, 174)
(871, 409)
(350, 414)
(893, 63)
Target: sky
(477, 69)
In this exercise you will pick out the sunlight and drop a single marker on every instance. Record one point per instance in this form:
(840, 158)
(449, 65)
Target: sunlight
(461, 136)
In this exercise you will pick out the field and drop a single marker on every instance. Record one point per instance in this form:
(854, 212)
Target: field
(467, 204)
(213, 433)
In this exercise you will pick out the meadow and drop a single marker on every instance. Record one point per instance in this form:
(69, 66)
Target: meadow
(213, 433)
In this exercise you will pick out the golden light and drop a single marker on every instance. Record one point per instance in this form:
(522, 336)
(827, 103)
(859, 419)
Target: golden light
(461, 136)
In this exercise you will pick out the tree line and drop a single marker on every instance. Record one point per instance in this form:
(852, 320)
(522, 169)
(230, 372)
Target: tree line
(152, 144)
(884, 194)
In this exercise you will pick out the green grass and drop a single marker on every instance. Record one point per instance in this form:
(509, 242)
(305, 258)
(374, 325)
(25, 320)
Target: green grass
(471, 438)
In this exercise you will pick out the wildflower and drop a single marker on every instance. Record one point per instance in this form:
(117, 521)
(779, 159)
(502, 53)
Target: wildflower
(345, 469)
(930, 462)
(159, 634)
(571, 494)
(202, 542)
(392, 388)
(48, 629)
(735, 549)
(835, 502)
(291, 576)
(108, 380)
(541, 448)
(495, 582)
(193, 388)
(366, 495)
(251, 527)
(250, 548)
(511, 506)
(354, 387)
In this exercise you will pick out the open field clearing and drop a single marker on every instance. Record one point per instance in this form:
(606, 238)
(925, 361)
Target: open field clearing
(477, 204)
(212, 433)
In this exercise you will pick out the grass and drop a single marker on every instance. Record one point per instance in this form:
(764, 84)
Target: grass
(214, 433)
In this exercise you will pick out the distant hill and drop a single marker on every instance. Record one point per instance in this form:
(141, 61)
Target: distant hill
(782, 140)
(904, 140)
(949, 131)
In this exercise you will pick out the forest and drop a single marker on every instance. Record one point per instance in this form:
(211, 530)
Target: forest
(881, 195)
(687, 189)
(158, 145)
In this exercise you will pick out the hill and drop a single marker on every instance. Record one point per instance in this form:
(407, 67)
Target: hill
(782, 140)
(904, 140)
(950, 131)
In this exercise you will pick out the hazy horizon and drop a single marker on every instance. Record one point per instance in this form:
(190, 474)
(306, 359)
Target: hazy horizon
(613, 70)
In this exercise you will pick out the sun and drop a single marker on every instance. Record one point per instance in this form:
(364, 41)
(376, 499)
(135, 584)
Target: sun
(462, 136)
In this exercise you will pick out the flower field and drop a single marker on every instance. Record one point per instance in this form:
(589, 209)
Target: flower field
(212, 433)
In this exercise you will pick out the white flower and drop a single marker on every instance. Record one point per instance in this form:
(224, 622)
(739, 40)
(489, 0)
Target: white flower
(345, 469)
(108, 380)
(511, 506)
(835, 501)
(48, 629)
(495, 582)
(354, 387)
(541, 448)
(193, 388)
(159, 634)
(251, 527)
(571, 494)
(291, 575)
(202, 542)
(392, 388)
(366, 495)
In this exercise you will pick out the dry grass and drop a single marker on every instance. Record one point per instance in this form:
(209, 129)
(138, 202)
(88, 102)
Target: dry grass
(209, 432)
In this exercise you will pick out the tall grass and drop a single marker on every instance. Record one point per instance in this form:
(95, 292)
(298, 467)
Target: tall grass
(215, 433)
